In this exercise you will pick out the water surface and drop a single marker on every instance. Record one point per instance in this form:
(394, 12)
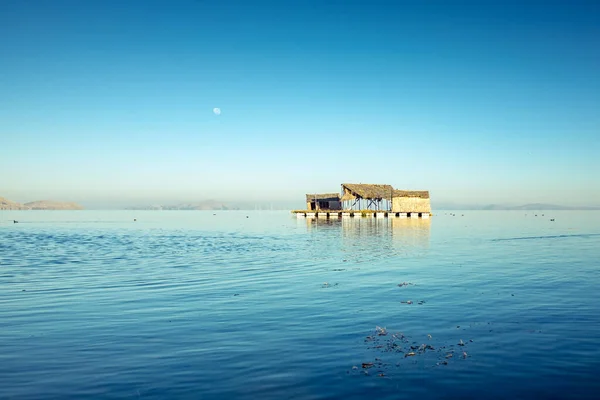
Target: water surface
(252, 305)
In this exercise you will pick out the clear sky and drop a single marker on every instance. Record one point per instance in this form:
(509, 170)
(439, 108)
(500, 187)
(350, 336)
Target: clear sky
(477, 101)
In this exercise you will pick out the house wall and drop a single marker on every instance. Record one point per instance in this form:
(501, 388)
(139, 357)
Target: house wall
(335, 205)
(411, 204)
(324, 205)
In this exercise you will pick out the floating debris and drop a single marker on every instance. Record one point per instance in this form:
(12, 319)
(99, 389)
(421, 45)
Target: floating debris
(381, 331)
(397, 344)
(407, 302)
(405, 284)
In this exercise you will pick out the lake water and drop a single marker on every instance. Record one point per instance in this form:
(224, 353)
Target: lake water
(260, 305)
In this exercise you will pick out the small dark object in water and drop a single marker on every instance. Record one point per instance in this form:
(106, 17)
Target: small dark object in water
(236, 294)
(214, 214)
(134, 219)
(552, 219)
(247, 216)
(15, 221)
(367, 365)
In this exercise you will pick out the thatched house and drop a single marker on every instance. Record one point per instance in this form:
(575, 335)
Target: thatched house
(323, 201)
(408, 201)
(373, 195)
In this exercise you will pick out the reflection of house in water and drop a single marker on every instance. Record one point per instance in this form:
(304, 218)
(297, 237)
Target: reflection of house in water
(323, 201)
(364, 239)
(411, 232)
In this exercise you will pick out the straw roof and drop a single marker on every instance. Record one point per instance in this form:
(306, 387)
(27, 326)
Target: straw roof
(323, 197)
(367, 191)
(423, 194)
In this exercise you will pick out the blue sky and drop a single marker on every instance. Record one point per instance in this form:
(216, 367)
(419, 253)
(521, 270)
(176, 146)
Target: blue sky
(478, 101)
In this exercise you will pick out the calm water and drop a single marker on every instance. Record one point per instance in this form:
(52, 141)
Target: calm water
(194, 305)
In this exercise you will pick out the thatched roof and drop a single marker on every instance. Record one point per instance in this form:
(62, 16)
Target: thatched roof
(367, 191)
(423, 194)
(322, 197)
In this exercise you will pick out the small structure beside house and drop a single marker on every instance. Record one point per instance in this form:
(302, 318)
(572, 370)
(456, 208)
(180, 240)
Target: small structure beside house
(411, 201)
(323, 201)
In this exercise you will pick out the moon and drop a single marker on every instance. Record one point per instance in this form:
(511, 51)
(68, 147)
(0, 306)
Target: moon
(217, 111)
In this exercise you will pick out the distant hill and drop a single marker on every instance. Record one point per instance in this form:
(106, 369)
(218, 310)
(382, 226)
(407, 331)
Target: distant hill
(201, 205)
(6, 204)
(52, 205)
(524, 207)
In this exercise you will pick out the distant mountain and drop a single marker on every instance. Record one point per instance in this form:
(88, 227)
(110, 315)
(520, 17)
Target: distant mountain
(524, 207)
(52, 205)
(6, 204)
(202, 205)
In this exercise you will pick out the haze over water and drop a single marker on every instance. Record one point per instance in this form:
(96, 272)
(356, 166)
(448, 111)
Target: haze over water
(250, 305)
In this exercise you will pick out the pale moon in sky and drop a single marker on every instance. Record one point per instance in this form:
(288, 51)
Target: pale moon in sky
(217, 111)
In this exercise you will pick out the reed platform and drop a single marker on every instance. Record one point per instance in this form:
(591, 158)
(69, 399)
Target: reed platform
(335, 214)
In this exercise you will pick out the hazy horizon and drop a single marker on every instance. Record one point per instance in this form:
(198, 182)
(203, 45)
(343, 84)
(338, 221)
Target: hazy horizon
(294, 204)
(479, 103)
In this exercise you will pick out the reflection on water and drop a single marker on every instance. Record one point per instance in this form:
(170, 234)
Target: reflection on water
(413, 232)
(372, 237)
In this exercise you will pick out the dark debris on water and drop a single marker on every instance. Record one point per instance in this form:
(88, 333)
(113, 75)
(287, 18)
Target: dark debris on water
(400, 345)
